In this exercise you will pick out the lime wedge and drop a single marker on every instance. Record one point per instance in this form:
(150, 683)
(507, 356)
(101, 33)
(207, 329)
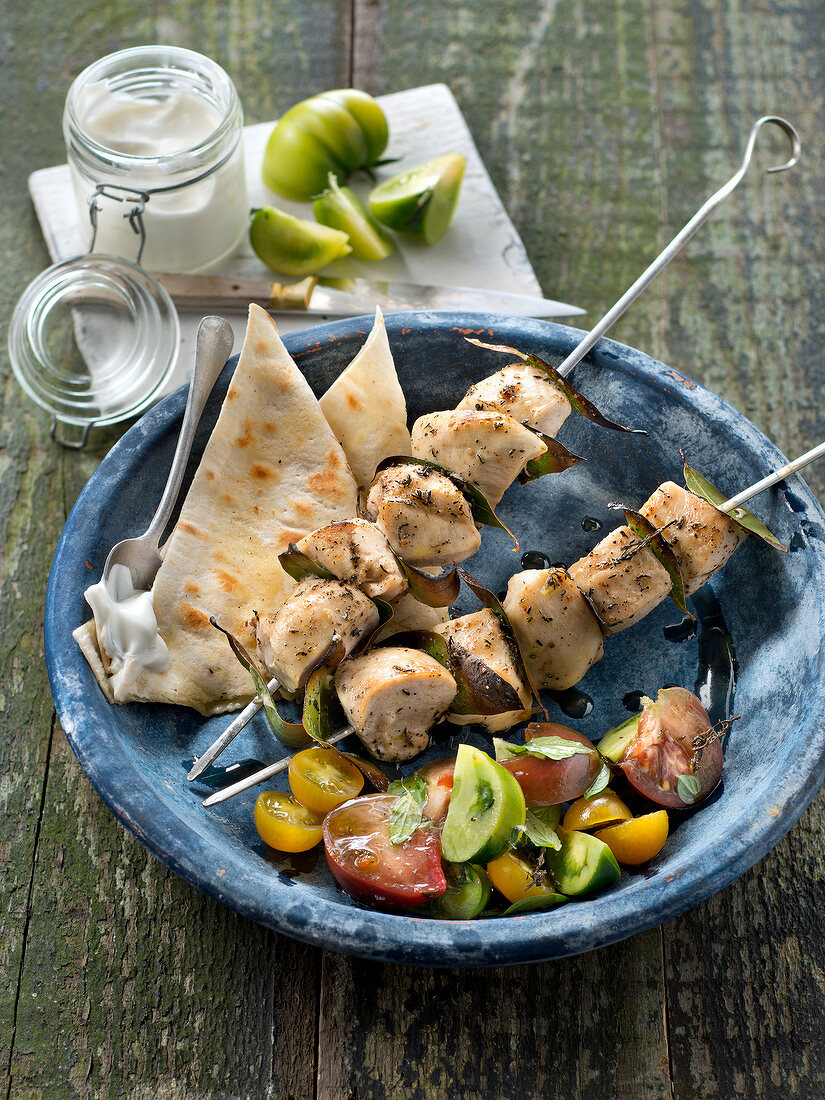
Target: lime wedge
(421, 201)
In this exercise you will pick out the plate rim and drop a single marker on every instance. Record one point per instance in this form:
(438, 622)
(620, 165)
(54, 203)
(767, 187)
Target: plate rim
(341, 925)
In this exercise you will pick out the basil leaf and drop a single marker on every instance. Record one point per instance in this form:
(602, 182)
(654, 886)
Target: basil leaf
(699, 484)
(291, 734)
(407, 814)
(555, 459)
(542, 748)
(687, 788)
(532, 904)
(600, 782)
(538, 831)
(577, 400)
(642, 527)
(299, 565)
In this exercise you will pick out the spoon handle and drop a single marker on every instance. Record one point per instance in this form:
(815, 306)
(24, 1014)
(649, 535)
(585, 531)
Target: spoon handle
(213, 347)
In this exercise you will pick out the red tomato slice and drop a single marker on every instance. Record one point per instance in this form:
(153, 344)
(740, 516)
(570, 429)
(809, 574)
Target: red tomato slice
(551, 782)
(662, 750)
(439, 779)
(367, 864)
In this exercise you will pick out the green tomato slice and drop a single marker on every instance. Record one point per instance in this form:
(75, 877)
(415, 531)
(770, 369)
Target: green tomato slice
(293, 246)
(466, 896)
(486, 805)
(421, 201)
(583, 864)
(340, 208)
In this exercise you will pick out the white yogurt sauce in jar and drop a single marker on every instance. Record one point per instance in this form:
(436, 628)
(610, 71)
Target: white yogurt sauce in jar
(167, 121)
(127, 628)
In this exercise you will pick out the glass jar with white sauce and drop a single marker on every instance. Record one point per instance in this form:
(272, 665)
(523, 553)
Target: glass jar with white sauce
(154, 137)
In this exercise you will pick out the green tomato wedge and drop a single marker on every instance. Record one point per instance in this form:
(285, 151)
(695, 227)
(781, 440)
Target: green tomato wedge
(340, 208)
(466, 896)
(615, 741)
(293, 246)
(421, 201)
(485, 807)
(583, 864)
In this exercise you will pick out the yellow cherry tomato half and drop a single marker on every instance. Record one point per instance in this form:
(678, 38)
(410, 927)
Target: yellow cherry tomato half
(323, 778)
(285, 824)
(516, 879)
(596, 813)
(638, 840)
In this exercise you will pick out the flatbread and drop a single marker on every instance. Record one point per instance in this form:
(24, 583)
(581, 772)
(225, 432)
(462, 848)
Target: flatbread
(271, 472)
(366, 408)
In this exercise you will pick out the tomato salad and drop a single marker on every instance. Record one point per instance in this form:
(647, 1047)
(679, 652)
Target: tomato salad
(478, 835)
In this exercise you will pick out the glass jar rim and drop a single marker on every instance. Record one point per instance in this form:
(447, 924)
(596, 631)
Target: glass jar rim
(165, 58)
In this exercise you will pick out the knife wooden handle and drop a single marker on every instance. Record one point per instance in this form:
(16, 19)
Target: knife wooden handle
(217, 293)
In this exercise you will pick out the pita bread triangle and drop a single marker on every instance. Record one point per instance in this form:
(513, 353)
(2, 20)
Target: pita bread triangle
(271, 472)
(366, 408)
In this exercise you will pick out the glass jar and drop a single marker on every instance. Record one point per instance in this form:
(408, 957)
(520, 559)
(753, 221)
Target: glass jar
(154, 137)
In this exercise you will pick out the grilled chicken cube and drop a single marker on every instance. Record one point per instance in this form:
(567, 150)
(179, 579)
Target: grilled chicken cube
(559, 636)
(425, 517)
(702, 537)
(293, 641)
(525, 393)
(481, 635)
(488, 449)
(355, 551)
(392, 697)
(622, 579)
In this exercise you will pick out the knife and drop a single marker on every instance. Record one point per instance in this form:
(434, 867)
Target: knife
(347, 297)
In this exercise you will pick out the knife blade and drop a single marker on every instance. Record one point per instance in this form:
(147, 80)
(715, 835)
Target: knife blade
(348, 297)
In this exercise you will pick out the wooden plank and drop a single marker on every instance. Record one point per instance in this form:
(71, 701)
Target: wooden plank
(589, 1026)
(115, 977)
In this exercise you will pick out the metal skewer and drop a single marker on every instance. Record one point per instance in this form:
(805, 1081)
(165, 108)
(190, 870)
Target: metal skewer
(681, 239)
(265, 773)
(778, 475)
(229, 734)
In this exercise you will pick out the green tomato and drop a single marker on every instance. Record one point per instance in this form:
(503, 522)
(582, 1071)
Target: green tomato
(340, 208)
(421, 201)
(466, 896)
(294, 246)
(583, 864)
(336, 132)
(485, 806)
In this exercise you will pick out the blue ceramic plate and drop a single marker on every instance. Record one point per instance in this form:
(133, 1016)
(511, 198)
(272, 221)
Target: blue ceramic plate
(766, 605)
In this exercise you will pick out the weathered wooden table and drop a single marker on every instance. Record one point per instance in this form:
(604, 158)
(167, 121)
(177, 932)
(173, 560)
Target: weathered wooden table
(603, 125)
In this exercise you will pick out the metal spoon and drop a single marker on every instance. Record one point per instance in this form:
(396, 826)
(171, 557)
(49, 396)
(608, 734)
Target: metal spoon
(140, 555)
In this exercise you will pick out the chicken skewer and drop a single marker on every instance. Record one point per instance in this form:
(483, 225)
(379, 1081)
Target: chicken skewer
(548, 408)
(772, 479)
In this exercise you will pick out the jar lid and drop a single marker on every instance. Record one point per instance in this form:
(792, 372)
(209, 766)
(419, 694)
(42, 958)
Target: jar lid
(93, 340)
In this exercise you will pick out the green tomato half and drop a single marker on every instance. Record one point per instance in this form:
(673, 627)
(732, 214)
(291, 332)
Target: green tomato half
(293, 246)
(335, 131)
